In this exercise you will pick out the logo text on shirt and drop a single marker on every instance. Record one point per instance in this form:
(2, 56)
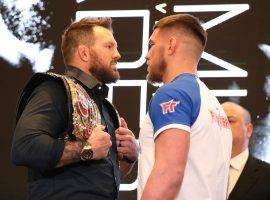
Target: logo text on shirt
(168, 106)
(221, 121)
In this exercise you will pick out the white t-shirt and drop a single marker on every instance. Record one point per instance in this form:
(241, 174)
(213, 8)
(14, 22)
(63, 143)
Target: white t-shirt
(186, 103)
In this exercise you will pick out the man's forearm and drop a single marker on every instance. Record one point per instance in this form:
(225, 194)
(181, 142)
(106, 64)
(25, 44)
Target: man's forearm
(168, 167)
(71, 153)
(171, 183)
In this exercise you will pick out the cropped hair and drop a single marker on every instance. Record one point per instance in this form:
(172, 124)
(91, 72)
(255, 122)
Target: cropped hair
(184, 21)
(81, 32)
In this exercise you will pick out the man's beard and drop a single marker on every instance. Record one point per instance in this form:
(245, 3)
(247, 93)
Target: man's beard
(103, 73)
(156, 74)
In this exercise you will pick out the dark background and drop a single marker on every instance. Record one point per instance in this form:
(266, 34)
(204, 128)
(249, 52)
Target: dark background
(235, 40)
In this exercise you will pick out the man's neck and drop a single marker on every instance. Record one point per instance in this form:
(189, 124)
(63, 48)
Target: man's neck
(174, 71)
(236, 152)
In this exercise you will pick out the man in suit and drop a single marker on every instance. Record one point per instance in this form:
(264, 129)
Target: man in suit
(249, 178)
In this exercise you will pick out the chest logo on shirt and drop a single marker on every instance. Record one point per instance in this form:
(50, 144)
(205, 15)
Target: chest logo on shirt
(169, 106)
(220, 120)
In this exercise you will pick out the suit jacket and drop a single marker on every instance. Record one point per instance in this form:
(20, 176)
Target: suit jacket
(254, 181)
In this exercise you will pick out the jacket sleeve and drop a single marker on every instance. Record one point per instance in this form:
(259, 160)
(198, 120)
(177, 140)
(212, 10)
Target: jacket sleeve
(36, 142)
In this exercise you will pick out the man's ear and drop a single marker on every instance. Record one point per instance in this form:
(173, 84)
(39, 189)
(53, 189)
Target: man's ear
(249, 130)
(84, 53)
(172, 45)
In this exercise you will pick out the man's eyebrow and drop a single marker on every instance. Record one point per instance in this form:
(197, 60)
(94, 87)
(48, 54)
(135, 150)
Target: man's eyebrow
(231, 117)
(111, 43)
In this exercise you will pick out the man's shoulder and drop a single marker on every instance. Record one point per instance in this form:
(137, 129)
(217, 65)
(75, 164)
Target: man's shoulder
(40, 86)
(44, 83)
(44, 79)
(185, 85)
(260, 163)
(254, 163)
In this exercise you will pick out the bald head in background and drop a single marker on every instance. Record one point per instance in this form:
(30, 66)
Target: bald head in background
(249, 177)
(241, 126)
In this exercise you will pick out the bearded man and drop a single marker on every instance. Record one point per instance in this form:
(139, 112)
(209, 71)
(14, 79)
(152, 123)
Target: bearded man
(185, 138)
(67, 134)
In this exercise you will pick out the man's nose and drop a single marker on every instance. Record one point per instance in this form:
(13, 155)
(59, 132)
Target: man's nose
(117, 55)
(147, 56)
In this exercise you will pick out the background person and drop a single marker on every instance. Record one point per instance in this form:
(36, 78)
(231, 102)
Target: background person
(249, 178)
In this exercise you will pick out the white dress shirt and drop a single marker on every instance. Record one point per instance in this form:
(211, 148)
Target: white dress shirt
(237, 165)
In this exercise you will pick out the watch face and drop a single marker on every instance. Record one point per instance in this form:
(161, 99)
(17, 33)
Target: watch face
(87, 154)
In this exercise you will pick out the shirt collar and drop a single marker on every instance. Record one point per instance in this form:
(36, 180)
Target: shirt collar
(184, 74)
(239, 161)
(81, 76)
(87, 80)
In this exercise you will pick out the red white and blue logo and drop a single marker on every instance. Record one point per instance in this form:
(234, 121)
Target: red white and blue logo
(169, 106)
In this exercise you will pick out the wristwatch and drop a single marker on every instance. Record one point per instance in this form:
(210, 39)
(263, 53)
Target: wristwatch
(87, 152)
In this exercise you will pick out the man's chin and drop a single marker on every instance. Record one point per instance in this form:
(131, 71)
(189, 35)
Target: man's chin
(153, 81)
(115, 77)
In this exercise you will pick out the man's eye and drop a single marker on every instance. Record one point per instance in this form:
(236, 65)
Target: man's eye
(231, 121)
(151, 45)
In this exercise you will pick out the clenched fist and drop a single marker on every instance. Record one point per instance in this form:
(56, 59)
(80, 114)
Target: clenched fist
(100, 142)
(127, 146)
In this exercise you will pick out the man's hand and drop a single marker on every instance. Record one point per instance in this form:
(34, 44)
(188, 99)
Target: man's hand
(100, 142)
(127, 145)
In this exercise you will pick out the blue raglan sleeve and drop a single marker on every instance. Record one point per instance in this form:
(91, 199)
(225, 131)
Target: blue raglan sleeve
(173, 107)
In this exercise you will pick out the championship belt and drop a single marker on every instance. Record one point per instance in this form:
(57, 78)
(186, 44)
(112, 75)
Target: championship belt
(85, 113)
